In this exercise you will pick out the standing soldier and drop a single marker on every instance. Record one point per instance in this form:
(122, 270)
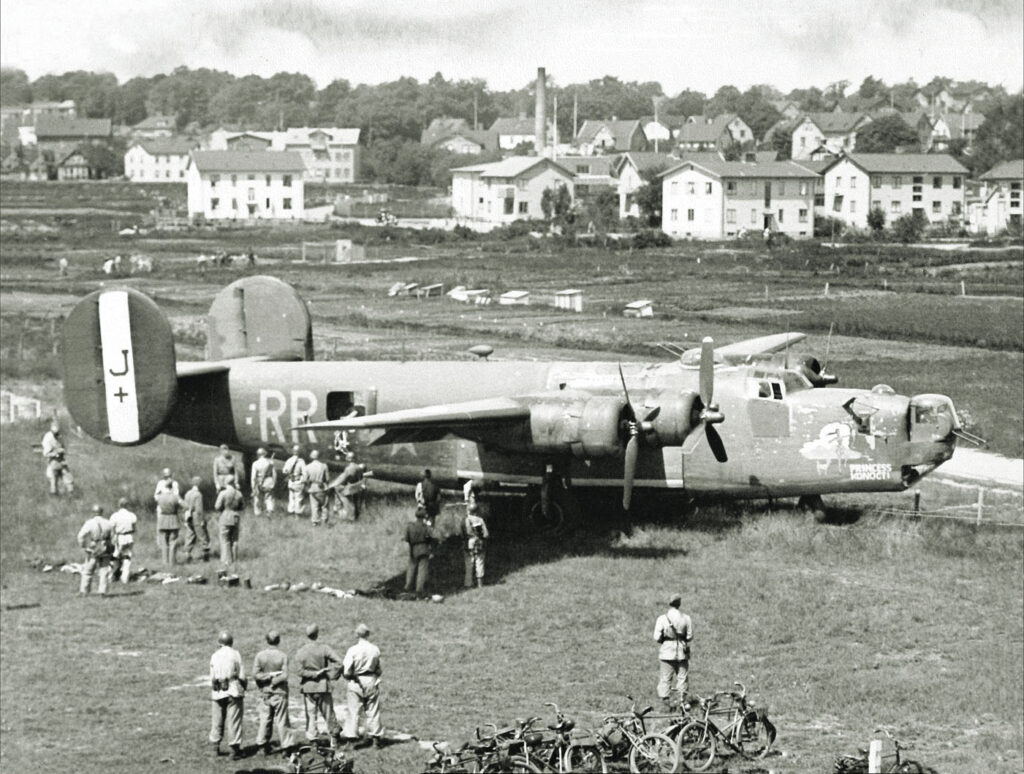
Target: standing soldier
(168, 519)
(262, 483)
(475, 534)
(351, 487)
(195, 521)
(229, 504)
(166, 484)
(227, 692)
(294, 472)
(318, 664)
(224, 465)
(94, 537)
(420, 537)
(428, 496)
(316, 482)
(270, 670)
(57, 472)
(122, 523)
(673, 632)
(362, 670)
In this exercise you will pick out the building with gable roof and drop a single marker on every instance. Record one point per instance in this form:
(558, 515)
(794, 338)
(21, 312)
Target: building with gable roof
(153, 127)
(507, 190)
(510, 133)
(1001, 197)
(714, 199)
(159, 160)
(610, 137)
(834, 133)
(51, 131)
(661, 132)
(928, 184)
(245, 185)
(73, 166)
(330, 154)
(701, 133)
(456, 136)
(629, 172)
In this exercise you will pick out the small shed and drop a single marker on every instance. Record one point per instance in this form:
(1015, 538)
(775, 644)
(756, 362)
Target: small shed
(571, 300)
(642, 308)
(430, 291)
(481, 296)
(515, 298)
(397, 288)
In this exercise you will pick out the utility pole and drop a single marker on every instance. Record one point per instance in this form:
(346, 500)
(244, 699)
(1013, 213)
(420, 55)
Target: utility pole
(575, 111)
(476, 125)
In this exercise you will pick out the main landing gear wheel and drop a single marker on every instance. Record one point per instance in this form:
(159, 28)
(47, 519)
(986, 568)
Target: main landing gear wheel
(561, 513)
(815, 505)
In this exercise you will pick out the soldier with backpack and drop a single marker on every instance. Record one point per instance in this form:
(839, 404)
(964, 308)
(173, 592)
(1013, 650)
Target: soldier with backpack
(475, 535)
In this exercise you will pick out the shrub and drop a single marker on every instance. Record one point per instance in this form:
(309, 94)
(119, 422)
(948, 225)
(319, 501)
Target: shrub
(908, 228)
(651, 238)
(825, 226)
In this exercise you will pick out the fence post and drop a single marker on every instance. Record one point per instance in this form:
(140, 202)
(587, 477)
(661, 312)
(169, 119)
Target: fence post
(981, 502)
(875, 756)
(963, 288)
(917, 503)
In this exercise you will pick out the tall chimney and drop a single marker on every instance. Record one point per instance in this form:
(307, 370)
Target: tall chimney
(539, 117)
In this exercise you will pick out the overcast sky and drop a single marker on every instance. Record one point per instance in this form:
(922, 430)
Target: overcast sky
(699, 44)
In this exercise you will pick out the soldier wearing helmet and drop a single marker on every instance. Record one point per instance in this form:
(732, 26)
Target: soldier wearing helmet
(95, 539)
(262, 483)
(227, 692)
(294, 473)
(224, 465)
(122, 523)
(673, 632)
(229, 504)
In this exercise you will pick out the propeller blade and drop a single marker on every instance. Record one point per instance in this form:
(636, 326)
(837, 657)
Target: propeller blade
(629, 473)
(715, 442)
(692, 440)
(707, 371)
(828, 347)
(629, 403)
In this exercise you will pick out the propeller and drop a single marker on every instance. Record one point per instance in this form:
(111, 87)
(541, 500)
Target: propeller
(635, 427)
(709, 414)
(817, 373)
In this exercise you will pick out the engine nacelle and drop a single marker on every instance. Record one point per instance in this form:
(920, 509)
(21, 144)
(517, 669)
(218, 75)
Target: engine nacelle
(584, 426)
(676, 418)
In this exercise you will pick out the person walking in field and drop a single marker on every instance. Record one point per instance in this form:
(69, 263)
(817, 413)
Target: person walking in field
(95, 539)
(294, 473)
(428, 496)
(673, 632)
(475, 536)
(420, 537)
(122, 524)
(316, 483)
(168, 519)
(270, 671)
(362, 671)
(317, 665)
(58, 474)
(195, 521)
(262, 483)
(229, 504)
(227, 694)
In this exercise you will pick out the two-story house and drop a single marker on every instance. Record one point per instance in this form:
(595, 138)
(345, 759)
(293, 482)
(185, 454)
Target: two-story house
(152, 127)
(711, 199)
(53, 132)
(610, 137)
(507, 190)
(331, 154)
(245, 185)
(701, 133)
(591, 174)
(161, 160)
(928, 184)
(833, 133)
(630, 172)
(510, 133)
(1001, 197)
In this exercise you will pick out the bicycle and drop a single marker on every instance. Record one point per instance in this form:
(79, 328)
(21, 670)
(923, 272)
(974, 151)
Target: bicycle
(891, 764)
(560, 754)
(626, 736)
(747, 729)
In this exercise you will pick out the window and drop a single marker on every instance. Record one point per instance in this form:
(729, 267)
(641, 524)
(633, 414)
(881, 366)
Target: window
(837, 203)
(287, 182)
(214, 203)
(782, 188)
(707, 188)
(753, 188)
(918, 180)
(730, 187)
(690, 187)
(689, 215)
(251, 195)
(853, 205)
(803, 216)
(839, 181)
(234, 179)
(937, 181)
(286, 204)
(582, 169)
(897, 182)
(876, 182)
(524, 208)
(896, 207)
(803, 141)
(781, 213)
(803, 189)
(674, 215)
(730, 216)
(251, 177)
(234, 204)
(819, 200)
(853, 182)
(936, 208)
(168, 173)
(957, 210)
(876, 204)
(346, 173)
(214, 179)
(753, 217)
(268, 180)
(957, 181)
(917, 197)
(268, 203)
(674, 187)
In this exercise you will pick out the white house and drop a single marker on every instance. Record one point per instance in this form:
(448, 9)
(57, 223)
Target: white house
(155, 126)
(330, 154)
(834, 132)
(509, 133)
(931, 184)
(1001, 196)
(629, 173)
(157, 161)
(710, 199)
(246, 185)
(507, 190)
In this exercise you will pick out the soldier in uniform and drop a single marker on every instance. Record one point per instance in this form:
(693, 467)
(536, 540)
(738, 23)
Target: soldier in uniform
(420, 537)
(227, 692)
(166, 483)
(475, 535)
(362, 671)
(57, 472)
(428, 496)
(270, 670)
(673, 632)
(316, 482)
(294, 473)
(95, 539)
(224, 465)
(229, 504)
(317, 664)
(195, 521)
(263, 481)
(168, 518)
(351, 487)
(122, 523)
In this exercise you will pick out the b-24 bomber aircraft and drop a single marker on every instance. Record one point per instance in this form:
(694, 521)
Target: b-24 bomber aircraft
(718, 421)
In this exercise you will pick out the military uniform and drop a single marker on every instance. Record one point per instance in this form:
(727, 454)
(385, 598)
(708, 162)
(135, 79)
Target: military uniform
(57, 472)
(673, 632)
(168, 523)
(316, 482)
(263, 481)
(270, 670)
(351, 488)
(475, 536)
(95, 538)
(224, 465)
(428, 497)
(318, 701)
(362, 670)
(229, 503)
(122, 523)
(294, 472)
(195, 523)
(227, 692)
(167, 484)
(421, 540)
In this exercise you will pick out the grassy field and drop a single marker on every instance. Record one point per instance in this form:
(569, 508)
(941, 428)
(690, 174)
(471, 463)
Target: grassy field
(914, 626)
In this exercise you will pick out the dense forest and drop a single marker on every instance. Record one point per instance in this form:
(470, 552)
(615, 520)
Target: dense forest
(392, 115)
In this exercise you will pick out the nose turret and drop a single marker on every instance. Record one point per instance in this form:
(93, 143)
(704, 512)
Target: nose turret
(932, 426)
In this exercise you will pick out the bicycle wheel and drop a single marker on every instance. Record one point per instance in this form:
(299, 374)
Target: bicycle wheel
(696, 746)
(756, 735)
(515, 764)
(585, 757)
(907, 767)
(654, 753)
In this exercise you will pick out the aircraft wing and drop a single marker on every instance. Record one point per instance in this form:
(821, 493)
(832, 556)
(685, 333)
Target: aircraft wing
(186, 368)
(443, 416)
(742, 351)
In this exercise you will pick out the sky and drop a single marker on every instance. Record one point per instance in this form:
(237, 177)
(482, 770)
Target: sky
(699, 44)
